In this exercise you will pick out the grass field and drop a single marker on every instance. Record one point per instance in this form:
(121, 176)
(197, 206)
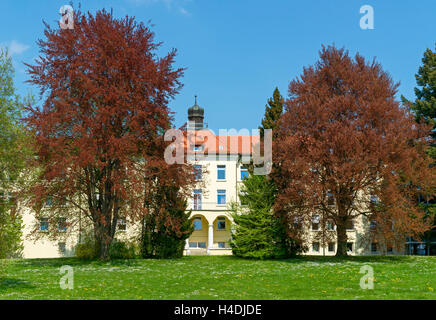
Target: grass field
(225, 277)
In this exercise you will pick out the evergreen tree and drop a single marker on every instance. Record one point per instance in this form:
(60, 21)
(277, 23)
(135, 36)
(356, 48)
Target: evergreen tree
(425, 103)
(167, 226)
(425, 111)
(258, 232)
(273, 111)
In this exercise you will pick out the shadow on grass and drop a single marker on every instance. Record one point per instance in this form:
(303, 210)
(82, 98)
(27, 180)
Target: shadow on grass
(59, 262)
(14, 284)
(316, 259)
(359, 259)
(74, 262)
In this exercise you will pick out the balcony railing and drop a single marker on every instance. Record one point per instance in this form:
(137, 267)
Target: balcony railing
(206, 205)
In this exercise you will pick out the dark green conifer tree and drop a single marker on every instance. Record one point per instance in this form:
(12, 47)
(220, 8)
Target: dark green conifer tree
(273, 111)
(424, 108)
(257, 231)
(425, 103)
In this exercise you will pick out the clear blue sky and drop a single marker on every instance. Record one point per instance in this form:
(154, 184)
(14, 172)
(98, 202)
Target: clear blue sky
(238, 51)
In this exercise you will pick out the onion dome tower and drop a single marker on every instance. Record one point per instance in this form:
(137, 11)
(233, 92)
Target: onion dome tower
(196, 117)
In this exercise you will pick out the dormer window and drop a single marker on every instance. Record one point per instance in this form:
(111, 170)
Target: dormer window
(197, 147)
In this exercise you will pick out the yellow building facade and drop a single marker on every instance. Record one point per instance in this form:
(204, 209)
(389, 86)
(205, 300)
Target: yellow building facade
(221, 173)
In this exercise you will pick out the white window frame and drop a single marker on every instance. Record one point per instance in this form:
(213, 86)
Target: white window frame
(334, 247)
(198, 172)
(241, 171)
(199, 204)
(221, 167)
(201, 223)
(218, 193)
(58, 223)
(122, 222)
(316, 219)
(40, 225)
(221, 219)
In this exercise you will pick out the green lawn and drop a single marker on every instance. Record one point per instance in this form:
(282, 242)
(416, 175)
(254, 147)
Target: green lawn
(208, 277)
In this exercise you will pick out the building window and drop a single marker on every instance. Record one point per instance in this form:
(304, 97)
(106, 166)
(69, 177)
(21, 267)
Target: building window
(390, 249)
(197, 147)
(63, 202)
(330, 199)
(122, 224)
(62, 224)
(49, 202)
(331, 246)
(197, 224)
(315, 246)
(297, 223)
(221, 245)
(197, 199)
(373, 225)
(373, 247)
(43, 225)
(349, 247)
(221, 224)
(197, 172)
(221, 172)
(197, 245)
(330, 225)
(244, 173)
(62, 247)
(221, 196)
(315, 223)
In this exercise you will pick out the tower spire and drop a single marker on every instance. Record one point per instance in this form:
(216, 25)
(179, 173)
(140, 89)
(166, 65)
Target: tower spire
(196, 116)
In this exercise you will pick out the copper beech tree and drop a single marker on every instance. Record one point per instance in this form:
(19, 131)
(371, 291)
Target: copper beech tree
(99, 132)
(346, 148)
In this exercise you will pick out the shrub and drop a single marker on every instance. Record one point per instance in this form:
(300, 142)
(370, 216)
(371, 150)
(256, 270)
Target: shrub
(3, 267)
(121, 250)
(86, 250)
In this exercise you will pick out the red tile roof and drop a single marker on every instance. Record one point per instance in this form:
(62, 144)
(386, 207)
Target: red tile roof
(213, 144)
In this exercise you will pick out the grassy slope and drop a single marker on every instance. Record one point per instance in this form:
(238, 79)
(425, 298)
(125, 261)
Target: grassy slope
(207, 277)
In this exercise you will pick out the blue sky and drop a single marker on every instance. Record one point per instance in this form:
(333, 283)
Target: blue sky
(237, 51)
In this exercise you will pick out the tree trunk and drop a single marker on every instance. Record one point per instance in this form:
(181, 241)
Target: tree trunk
(103, 240)
(341, 231)
(104, 249)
